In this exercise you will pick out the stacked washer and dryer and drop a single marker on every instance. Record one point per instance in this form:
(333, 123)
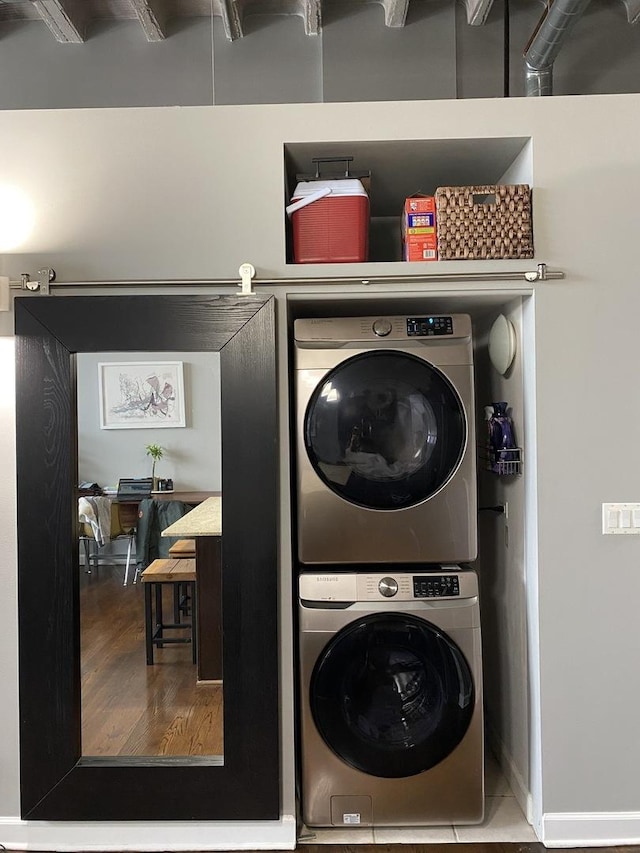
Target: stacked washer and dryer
(390, 663)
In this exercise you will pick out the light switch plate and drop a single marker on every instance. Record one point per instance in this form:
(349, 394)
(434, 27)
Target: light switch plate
(621, 518)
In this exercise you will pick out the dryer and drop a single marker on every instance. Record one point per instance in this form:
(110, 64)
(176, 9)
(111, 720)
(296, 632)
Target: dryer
(385, 444)
(391, 717)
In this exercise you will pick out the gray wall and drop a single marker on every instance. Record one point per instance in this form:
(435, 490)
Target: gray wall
(102, 213)
(115, 67)
(356, 58)
(193, 455)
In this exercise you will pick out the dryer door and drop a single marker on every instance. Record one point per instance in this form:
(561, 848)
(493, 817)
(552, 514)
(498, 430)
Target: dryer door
(385, 430)
(392, 695)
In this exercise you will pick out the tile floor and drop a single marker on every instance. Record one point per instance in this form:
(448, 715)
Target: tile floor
(504, 821)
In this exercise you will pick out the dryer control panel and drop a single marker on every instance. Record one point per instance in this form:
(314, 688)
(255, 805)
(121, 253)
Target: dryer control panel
(316, 331)
(429, 327)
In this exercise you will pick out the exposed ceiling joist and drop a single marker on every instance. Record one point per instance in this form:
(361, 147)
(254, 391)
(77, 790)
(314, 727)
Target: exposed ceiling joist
(312, 14)
(231, 19)
(68, 20)
(148, 18)
(477, 11)
(233, 12)
(56, 17)
(395, 12)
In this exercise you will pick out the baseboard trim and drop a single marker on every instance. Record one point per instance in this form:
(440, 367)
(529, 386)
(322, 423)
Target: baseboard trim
(590, 829)
(16, 834)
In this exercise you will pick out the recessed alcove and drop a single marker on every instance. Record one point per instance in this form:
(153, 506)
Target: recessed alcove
(503, 563)
(401, 168)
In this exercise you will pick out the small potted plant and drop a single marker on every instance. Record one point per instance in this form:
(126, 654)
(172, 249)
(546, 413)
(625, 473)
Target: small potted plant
(156, 453)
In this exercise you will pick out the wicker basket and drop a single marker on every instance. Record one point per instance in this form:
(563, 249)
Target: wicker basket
(484, 222)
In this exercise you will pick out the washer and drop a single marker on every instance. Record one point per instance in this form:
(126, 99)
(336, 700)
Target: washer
(391, 698)
(385, 444)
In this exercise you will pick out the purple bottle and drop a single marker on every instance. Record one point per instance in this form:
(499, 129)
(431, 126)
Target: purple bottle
(502, 438)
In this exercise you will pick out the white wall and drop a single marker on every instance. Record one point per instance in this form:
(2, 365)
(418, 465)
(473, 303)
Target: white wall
(192, 457)
(9, 774)
(154, 193)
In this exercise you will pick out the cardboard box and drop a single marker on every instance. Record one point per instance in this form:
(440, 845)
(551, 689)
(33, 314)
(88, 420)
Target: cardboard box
(419, 239)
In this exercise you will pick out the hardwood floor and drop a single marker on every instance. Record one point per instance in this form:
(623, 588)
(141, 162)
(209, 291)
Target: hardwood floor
(129, 708)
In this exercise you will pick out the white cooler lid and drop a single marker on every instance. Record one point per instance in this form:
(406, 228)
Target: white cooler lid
(348, 186)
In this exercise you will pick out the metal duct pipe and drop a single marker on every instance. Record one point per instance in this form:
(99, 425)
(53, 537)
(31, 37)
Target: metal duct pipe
(546, 41)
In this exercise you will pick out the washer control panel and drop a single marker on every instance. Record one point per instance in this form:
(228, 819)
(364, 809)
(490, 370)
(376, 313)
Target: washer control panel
(428, 327)
(436, 586)
(399, 587)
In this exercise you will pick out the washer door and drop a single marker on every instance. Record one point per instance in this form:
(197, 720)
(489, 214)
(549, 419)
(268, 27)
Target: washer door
(385, 430)
(392, 695)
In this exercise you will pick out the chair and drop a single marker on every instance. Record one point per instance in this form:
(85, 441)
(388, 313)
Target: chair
(103, 520)
(153, 517)
(179, 574)
(183, 548)
(131, 490)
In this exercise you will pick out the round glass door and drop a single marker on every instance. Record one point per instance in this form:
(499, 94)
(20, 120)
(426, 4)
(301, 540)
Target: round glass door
(385, 430)
(392, 695)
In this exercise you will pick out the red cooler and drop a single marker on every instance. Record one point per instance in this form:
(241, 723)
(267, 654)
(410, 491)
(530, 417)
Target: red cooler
(330, 222)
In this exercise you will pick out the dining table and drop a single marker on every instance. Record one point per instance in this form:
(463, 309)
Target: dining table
(128, 507)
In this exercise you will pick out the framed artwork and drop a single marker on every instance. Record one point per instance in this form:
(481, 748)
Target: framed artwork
(141, 394)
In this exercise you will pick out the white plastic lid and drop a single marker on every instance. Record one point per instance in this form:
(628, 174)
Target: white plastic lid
(348, 186)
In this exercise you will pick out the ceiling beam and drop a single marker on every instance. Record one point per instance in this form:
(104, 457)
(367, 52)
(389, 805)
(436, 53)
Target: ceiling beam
(59, 21)
(395, 12)
(312, 14)
(148, 18)
(633, 11)
(231, 19)
(477, 11)
(236, 10)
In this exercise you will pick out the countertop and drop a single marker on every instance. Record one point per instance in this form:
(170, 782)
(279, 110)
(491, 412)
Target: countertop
(204, 520)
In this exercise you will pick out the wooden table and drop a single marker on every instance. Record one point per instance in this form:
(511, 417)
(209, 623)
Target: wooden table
(128, 507)
(204, 524)
(187, 496)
